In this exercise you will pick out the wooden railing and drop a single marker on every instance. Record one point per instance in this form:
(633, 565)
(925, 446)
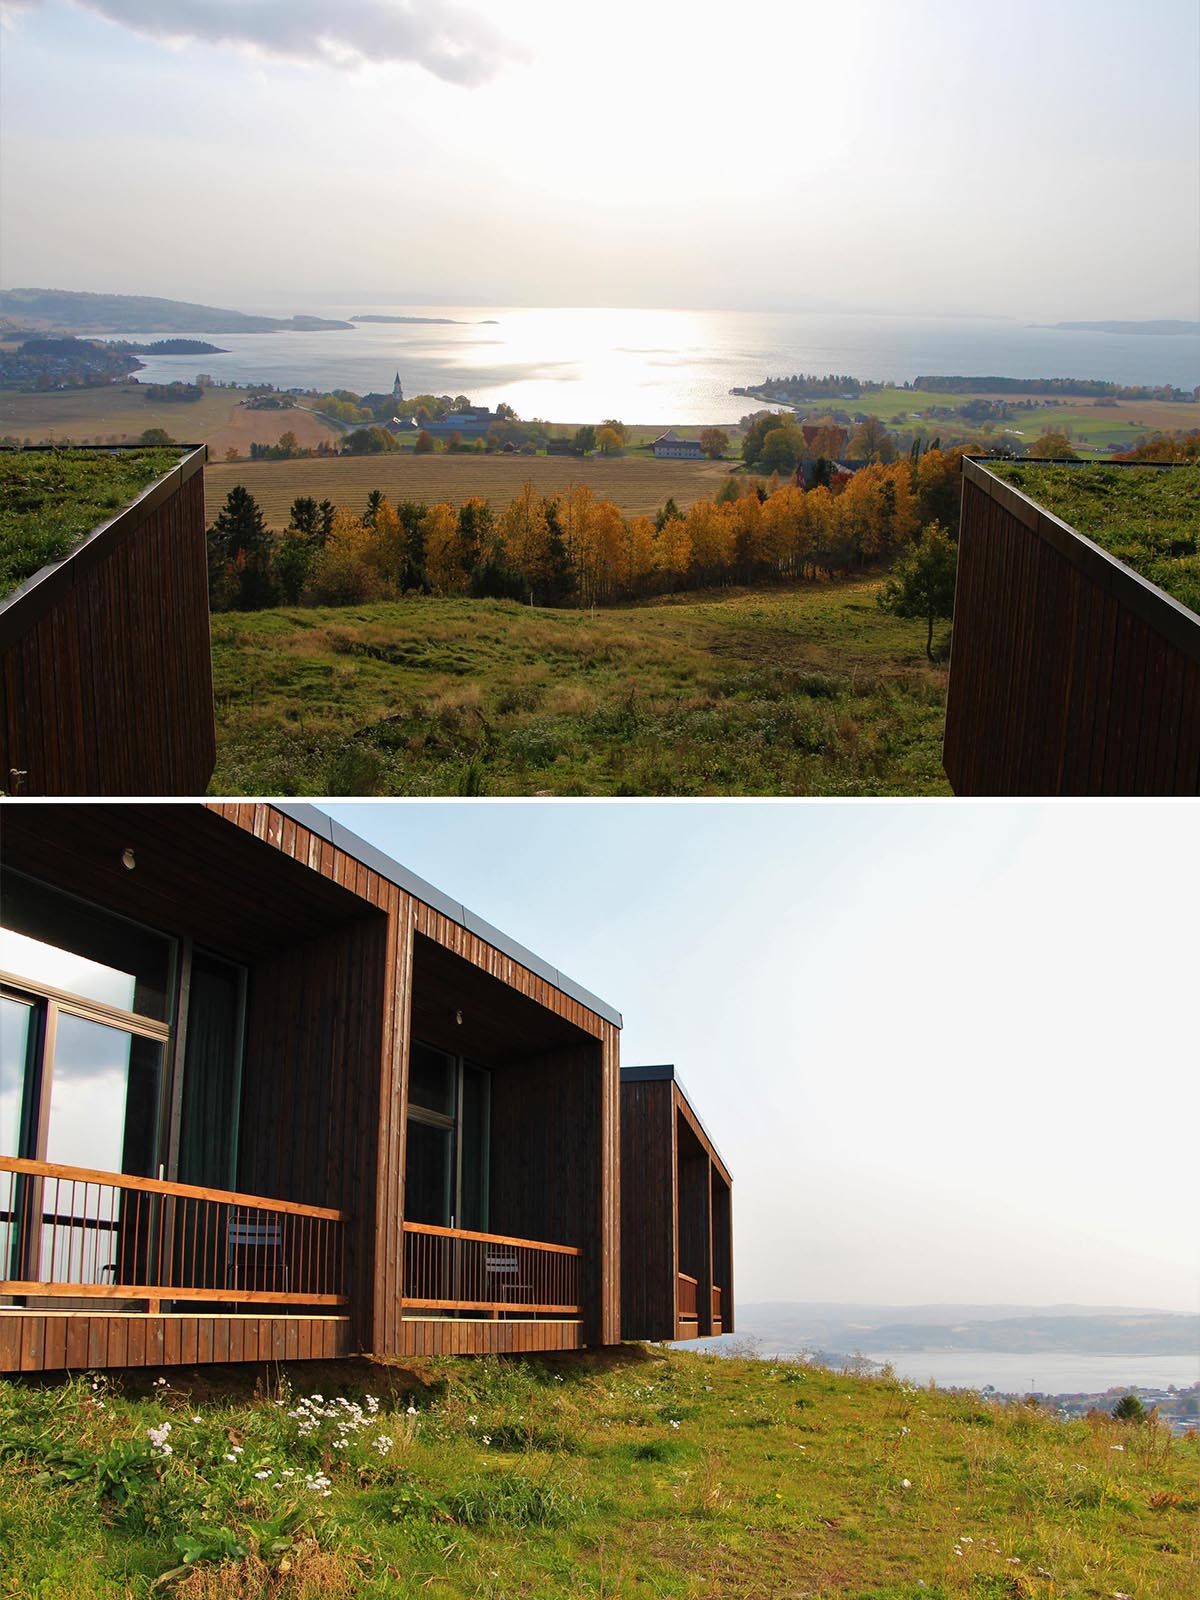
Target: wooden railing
(716, 1304)
(455, 1269)
(686, 1298)
(73, 1233)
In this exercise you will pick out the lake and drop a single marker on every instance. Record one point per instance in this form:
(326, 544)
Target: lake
(1047, 1372)
(658, 367)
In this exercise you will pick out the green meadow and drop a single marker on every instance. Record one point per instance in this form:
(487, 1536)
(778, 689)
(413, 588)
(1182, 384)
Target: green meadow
(806, 690)
(635, 1473)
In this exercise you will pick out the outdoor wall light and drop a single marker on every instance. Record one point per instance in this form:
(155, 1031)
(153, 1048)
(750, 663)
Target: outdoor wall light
(128, 859)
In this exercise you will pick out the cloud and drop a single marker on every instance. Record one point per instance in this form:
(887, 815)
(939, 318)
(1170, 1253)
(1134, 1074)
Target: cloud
(440, 35)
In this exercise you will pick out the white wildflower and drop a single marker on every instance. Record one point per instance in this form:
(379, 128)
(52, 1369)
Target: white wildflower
(382, 1443)
(905, 1483)
(261, 1475)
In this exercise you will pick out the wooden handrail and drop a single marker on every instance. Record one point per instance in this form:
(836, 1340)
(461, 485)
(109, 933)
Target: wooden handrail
(160, 1291)
(687, 1278)
(190, 1191)
(490, 1238)
(463, 1270)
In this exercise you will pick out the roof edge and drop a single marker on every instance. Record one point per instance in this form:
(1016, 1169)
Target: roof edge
(341, 837)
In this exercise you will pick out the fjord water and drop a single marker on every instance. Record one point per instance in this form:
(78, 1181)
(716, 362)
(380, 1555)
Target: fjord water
(654, 366)
(1017, 1372)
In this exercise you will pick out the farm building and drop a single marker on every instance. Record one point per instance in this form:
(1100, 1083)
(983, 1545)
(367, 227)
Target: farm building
(676, 1214)
(268, 1095)
(669, 444)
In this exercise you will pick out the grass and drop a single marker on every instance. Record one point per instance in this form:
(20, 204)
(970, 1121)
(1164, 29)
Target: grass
(50, 499)
(623, 1476)
(1147, 518)
(637, 484)
(810, 690)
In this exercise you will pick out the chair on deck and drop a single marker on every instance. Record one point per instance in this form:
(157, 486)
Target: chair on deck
(502, 1269)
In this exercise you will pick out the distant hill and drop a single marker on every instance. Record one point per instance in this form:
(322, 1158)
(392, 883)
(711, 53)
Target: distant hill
(69, 311)
(1069, 1329)
(1126, 327)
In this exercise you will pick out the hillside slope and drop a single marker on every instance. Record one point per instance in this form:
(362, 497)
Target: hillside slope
(637, 1473)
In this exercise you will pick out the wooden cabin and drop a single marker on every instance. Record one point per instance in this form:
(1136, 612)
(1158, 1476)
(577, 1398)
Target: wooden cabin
(105, 661)
(264, 1094)
(676, 1214)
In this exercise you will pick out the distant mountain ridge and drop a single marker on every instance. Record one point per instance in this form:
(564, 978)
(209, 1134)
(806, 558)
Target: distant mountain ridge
(1077, 1330)
(74, 311)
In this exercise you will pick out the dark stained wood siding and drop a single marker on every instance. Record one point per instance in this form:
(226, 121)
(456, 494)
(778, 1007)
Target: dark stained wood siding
(577, 1075)
(648, 1255)
(310, 1110)
(548, 1161)
(676, 1212)
(1068, 675)
(330, 952)
(105, 665)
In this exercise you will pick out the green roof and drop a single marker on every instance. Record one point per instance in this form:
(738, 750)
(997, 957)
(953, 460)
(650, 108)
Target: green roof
(1147, 517)
(50, 500)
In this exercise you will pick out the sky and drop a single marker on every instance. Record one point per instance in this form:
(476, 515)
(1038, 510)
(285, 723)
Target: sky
(1035, 160)
(948, 1051)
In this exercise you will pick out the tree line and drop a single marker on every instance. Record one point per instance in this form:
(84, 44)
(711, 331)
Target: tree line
(573, 549)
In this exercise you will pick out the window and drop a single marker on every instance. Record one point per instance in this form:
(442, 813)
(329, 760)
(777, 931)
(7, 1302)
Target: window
(447, 1157)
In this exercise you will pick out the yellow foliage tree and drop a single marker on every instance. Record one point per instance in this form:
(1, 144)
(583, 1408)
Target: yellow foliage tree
(443, 551)
(525, 533)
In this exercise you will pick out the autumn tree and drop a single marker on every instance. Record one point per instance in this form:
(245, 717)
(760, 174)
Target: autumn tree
(714, 442)
(608, 441)
(443, 551)
(763, 423)
(525, 532)
(424, 444)
(872, 442)
(1054, 446)
(781, 449)
(921, 584)
(345, 572)
(673, 551)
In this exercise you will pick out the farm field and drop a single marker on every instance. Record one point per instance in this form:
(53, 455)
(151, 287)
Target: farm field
(1095, 428)
(808, 690)
(636, 484)
(637, 1473)
(120, 413)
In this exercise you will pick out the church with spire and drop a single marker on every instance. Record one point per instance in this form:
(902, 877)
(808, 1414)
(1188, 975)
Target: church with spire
(397, 391)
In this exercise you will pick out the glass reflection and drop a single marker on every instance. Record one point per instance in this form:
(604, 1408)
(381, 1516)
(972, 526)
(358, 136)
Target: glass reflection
(16, 1027)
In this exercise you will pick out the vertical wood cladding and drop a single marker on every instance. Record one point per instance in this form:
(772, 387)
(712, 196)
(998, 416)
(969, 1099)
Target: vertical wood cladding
(310, 1109)
(582, 1159)
(694, 1204)
(548, 1161)
(105, 668)
(331, 985)
(648, 1256)
(56, 1341)
(1067, 675)
(722, 1237)
(676, 1211)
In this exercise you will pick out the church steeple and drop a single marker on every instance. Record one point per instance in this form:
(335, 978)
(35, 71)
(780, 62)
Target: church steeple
(397, 391)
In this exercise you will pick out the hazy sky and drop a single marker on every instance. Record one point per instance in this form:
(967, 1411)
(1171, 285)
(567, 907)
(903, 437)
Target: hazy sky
(1033, 159)
(948, 1051)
